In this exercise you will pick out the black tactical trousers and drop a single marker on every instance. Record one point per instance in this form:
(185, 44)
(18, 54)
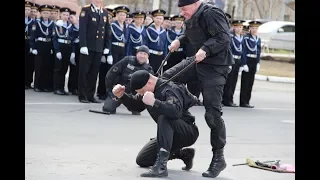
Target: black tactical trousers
(212, 79)
(28, 64)
(172, 135)
(111, 105)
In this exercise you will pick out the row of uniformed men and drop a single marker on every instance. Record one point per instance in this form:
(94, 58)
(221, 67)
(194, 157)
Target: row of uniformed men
(50, 68)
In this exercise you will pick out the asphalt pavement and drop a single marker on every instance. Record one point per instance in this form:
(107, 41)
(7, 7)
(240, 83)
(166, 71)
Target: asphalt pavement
(66, 142)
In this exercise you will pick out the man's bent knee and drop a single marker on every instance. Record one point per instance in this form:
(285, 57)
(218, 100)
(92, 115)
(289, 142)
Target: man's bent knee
(212, 120)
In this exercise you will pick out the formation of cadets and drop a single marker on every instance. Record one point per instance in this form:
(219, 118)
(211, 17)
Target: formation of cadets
(52, 45)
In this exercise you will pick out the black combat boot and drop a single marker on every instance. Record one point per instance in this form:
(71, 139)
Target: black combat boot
(186, 155)
(217, 164)
(159, 169)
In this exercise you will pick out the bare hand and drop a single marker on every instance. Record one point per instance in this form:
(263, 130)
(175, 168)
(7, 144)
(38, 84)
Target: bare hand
(174, 45)
(118, 90)
(201, 54)
(148, 98)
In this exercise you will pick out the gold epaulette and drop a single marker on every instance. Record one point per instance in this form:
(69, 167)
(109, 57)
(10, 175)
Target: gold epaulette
(87, 5)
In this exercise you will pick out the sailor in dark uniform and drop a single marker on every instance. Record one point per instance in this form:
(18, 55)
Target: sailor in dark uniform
(42, 47)
(136, 33)
(250, 63)
(129, 19)
(94, 39)
(64, 50)
(54, 15)
(74, 63)
(173, 33)
(236, 47)
(148, 21)
(167, 20)
(119, 34)
(34, 11)
(28, 58)
(106, 63)
(157, 39)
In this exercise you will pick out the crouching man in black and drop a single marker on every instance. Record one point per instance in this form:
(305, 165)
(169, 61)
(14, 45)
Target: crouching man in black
(120, 73)
(168, 106)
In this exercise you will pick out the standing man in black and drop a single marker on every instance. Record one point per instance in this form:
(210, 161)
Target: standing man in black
(94, 39)
(207, 29)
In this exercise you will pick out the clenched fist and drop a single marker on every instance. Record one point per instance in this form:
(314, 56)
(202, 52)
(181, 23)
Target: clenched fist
(148, 98)
(174, 45)
(118, 90)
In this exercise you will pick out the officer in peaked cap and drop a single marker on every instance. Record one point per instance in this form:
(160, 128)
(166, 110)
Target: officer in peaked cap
(250, 63)
(94, 39)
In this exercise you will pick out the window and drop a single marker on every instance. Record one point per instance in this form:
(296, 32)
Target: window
(288, 28)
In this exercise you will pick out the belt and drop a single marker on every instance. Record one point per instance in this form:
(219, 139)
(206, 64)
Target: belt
(43, 39)
(76, 40)
(159, 53)
(26, 37)
(252, 55)
(236, 57)
(121, 44)
(64, 41)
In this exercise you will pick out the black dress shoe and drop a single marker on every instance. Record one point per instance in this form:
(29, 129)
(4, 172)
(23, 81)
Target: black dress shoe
(84, 101)
(38, 90)
(60, 92)
(74, 92)
(135, 113)
(229, 104)
(246, 106)
(93, 100)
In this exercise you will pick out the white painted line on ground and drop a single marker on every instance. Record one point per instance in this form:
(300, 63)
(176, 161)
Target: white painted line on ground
(279, 109)
(59, 103)
(289, 121)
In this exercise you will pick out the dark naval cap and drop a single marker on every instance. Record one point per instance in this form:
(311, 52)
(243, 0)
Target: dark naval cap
(182, 3)
(143, 48)
(139, 79)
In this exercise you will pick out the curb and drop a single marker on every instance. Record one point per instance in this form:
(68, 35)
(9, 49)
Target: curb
(274, 79)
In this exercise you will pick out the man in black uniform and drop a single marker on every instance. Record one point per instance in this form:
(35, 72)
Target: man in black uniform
(168, 104)
(94, 40)
(207, 29)
(120, 73)
(28, 58)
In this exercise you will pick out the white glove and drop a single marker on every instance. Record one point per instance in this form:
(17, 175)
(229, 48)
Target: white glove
(241, 69)
(84, 50)
(110, 59)
(148, 61)
(148, 98)
(245, 68)
(106, 51)
(258, 67)
(59, 23)
(72, 58)
(30, 50)
(35, 52)
(165, 63)
(59, 56)
(230, 67)
(51, 51)
(103, 59)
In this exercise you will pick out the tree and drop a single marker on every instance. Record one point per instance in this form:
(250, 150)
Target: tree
(263, 7)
